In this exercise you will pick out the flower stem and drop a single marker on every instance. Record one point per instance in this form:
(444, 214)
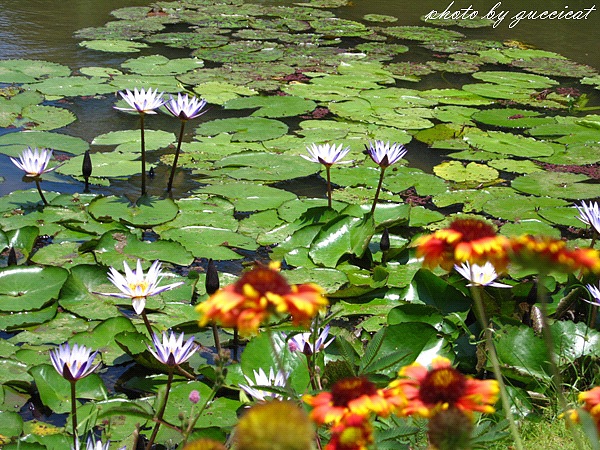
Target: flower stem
(170, 185)
(74, 412)
(493, 356)
(143, 155)
(328, 171)
(192, 423)
(378, 189)
(147, 323)
(158, 418)
(215, 332)
(39, 188)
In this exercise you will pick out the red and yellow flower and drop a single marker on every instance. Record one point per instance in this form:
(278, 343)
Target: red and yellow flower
(546, 253)
(441, 387)
(257, 295)
(349, 396)
(591, 404)
(465, 240)
(353, 433)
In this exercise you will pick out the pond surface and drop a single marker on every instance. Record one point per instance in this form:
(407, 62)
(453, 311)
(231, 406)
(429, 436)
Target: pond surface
(43, 29)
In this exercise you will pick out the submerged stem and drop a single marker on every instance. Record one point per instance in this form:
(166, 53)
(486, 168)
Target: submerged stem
(170, 184)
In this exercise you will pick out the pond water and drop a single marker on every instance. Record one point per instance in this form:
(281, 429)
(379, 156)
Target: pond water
(43, 29)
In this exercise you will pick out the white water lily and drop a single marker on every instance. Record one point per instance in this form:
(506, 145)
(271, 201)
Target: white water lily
(480, 275)
(383, 154)
(326, 154)
(137, 286)
(73, 363)
(93, 444)
(261, 379)
(302, 342)
(34, 162)
(595, 293)
(590, 215)
(142, 101)
(185, 107)
(172, 351)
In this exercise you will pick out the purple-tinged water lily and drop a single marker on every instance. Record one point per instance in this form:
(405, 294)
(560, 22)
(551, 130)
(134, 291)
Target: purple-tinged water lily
(185, 108)
(73, 363)
(590, 215)
(261, 379)
(302, 342)
(172, 351)
(142, 101)
(34, 162)
(137, 286)
(383, 154)
(480, 275)
(595, 293)
(93, 444)
(328, 155)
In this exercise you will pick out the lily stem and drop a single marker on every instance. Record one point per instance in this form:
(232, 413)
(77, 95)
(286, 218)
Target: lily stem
(143, 154)
(159, 417)
(328, 171)
(170, 184)
(378, 189)
(147, 323)
(74, 413)
(39, 188)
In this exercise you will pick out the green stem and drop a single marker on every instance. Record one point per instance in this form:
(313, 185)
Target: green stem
(39, 188)
(279, 362)
(191, 425)
(159, 417)
(170, 184)
(328, 171)
(74, 412)
(549, 341)
(215, 331)
(143, 155)
(147, 323)
(493, 356)
(378, 189)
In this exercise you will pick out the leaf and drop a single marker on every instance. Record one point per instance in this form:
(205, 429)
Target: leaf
(148, 211)
(12, 144)
(113, 45)
(18, 293)
(244, 129)
(273, 106)
(557, 185)
(472, 172)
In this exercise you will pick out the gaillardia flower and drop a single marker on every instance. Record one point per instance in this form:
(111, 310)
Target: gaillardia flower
(259, 293)
(547, 254)
(591, 404)
(480, 275)
(34, 162)
(73, 363)
(185, 107)
(442, 387)
(326, 154)
(349, 396)
(469, 240)
(590, 215)
(137, 286)
(354, 432)
(172, 351)
(261, 379)
(142, 101)
(383, 154)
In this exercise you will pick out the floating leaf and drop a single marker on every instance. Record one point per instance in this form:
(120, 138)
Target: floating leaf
(220, 92)
(248, 196)
(12, 144)
(266, 166)
(456, 97)
(161, 65)
(273, 106)
(511, 118)
(244, 129)
(43, 118)
(472, 172)
(516, 79)
(509, 144)
(130, 140)
(210, 242)
(555, 67)
(148, 211)
(18, 293)
(73, 86)
(424, 34)
(29, 70)
(113, 45)
(556, 184)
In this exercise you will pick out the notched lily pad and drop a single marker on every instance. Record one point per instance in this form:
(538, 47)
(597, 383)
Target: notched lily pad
(161, 65)
(273, 106)
(511, 118)
(30, 70)
(557, 184)
(29, 288)
(147, 212)
(244, 129)
(472, 172)
(114, 45)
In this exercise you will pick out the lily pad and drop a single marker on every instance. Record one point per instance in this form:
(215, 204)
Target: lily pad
(12, 144)
(273, 106)
(210, 242)
(516, 79)
(511, 118)
(18, 293)
(104, 165)
(556, 184)
(114, 45)
(161, 65)
(244, 129)
(147, 212)
(248, 196)
(510, 144)
(30, 70)
(73, 86)
(456, 97)
(472, 172)
(44, 118)
(424, 34)
(266, 166)
(555, 67)
(130, 140)
(220, 92)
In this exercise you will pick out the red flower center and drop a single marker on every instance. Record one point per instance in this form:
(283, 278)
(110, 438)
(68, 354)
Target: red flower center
(263, 280)
(472, 229)
(445, 385)
(348, 389)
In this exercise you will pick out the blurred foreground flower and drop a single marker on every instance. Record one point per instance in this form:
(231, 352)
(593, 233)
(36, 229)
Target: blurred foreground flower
(274, 425)
(354, 432)
(172, 351)
(259, 293)
(480, 275)
(591, 404)
(34, 162)
(143, 102)
(137, 286)
(350, 396)
(302, 342)
(261, 379)
(547, 254)
(590, 215)
(429, 391)
(384, 155)
(204, 444)
(328, 155)
(184, 108)
(465, 240)
(73, 363)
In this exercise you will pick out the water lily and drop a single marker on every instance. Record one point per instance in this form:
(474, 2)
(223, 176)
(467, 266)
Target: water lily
(480, 275)
(595, 291)
(93, 444)
(137, 286)
(278, 379)
(590, 215)
(384, 155)
(172, 351)
(73, 363)
(328, 155)
(34, 162)
(143, 102)
(185, 108)
(302, 342)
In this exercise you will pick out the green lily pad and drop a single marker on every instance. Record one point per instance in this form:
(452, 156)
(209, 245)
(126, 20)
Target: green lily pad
(130, 140)
(220, 92)
(114, 45)
(514, 166)
(244, 129)
(161, 65)
(519, 207)
(511, 118)
(10, 320)
(472, 172)
(456, 97)
(44, 118)
(510, 144)
(73, 86)
(379, 18)
(240, 52)
(248, 196)
(102, 338)
(273, 106)
(104, 165)
(210, 242)
(579, 154)
(516, 79)
(556, 184)
(534, 227)
(18, 293)
(12, 144)
(30, 71)
(555, 67)
(266, 166)
(562, 215)
(147, 212)
(423, 34)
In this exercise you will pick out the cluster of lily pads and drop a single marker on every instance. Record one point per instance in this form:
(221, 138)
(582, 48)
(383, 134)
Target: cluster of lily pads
(514, 141)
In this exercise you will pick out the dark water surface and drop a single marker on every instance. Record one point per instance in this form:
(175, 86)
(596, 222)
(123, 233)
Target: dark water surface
(43, 29)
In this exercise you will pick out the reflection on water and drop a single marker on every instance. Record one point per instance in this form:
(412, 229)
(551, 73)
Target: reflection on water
(43, 29)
